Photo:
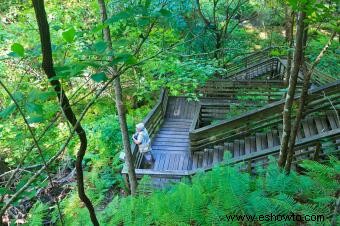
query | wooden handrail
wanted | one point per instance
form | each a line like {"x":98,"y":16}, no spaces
{"x":249,"y":60}
{"x":213,"y":134}
{"x":303,"y":143}
{"x":152,"y":121}
{"x":195,"y":120}
{"x":271,"y":63}
{"x":320,"y":78}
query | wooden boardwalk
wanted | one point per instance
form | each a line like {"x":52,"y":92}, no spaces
{"x":170,"y":147}
{"x":184,"y":140}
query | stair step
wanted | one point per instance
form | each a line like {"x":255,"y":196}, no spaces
{"x":163,"y":129}
{"x":173,"y":132}
{"x":169,"y":148}
{"x":165,"y":143}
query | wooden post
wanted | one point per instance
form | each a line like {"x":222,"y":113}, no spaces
{"x":249,"y":166}
{"x":317,"y":151}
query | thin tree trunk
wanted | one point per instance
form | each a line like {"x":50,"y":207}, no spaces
{"x":47,"y":65}
{"x":120,"y":107}
{"x":303,"y":98}
{"x":290,"y":39}
{"x":291,"y":91}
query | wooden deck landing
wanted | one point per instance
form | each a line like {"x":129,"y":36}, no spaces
{"x":170,"y":147}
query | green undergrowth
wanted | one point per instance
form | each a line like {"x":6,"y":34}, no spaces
{"x":224,"y":191}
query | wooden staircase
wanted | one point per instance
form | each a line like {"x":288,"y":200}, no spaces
{"x":251,"y":145}
{"x":184,"y":141}
{"x":170,"y":147}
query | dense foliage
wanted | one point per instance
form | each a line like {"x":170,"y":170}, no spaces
{"x":223,"y":192}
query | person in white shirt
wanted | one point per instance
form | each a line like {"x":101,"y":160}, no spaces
{"x":142,"y":139}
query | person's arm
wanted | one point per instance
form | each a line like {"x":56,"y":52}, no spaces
{"x":138,"y":140}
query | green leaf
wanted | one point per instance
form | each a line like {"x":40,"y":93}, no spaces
{"x":100,"y":46}
{"x":35,"y":119}
{"x":69,"y":34}
{"x":33,"y":108}
{"x":165,"y":12}
{"x":18,"y":49}
{"x":7,"y":111}
{"x":119,"y":16}
{"x":99,"y":77}
{"x":125,"y":58}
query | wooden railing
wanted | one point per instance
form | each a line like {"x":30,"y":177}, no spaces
{"x":222,"y":98}
{"x":264,"y":117}
{"x":274,"y":68}
{"x":152,"y":122}
{"x":253,"y":90}
{"x":305,"y":148}
{"x":249,"y":60}
{"x":319,"y":78}
{"x":255,"y":159}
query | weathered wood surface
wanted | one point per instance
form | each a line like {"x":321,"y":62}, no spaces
{"x":272,"y":68}
{"x":248,"y":61}
{"x":152,"y":122}
{"x":175,"y":122}
{"x":270,"y":114}
{"x":319,"y":78}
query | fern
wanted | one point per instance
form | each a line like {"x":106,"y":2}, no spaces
{"x":37,"y":214}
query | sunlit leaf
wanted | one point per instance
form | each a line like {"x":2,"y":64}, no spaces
{"x":69,"y":35}
{"x":18,"y":49}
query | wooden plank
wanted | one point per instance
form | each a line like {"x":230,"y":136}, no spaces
{"x":247,"y":145}
{"x":280,"y":131}
{"x":157,"y":160}
{"x":270,"y":139}
{"x":276,"y":138}
{"x":180,"y":162}
{"x":171,"y":161}
{"x":319,"y":125}
{"x":172,"y":129}
{"x":236,"y":152}
{"x":176,"y":136}
{"x":200,"y":160}
{"x":166,"y":161}
{"x":258,"y":142}
{"x":173,"y":144}
{"x":305,"y":128}
{"x":205,"y":158}
{"x":160,"y":166}
{"x":312,"y":126}
{"x":215,"y":156}
{"x":252,"y":144}
{"x":186,"y":162}
{"x":242,"y":147}
{"x":331,"y":120}
{"x":169,"y":148}
{"x":170,"y":140}
{"x":211,"y":153}
{"x":166,"y":132}
{"x":194,"y":161}
{"x":264,"y":142}
{"x":324,"y":123}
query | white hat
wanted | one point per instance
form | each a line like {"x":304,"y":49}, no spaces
{"x":140,"y":126}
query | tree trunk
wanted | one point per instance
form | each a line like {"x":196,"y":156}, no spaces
{"x":291,"y":90}
{"x":302,"y":103}
{"x":290,"y":40}
{"x":120,"y":107}
{"x":47,"y":65}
